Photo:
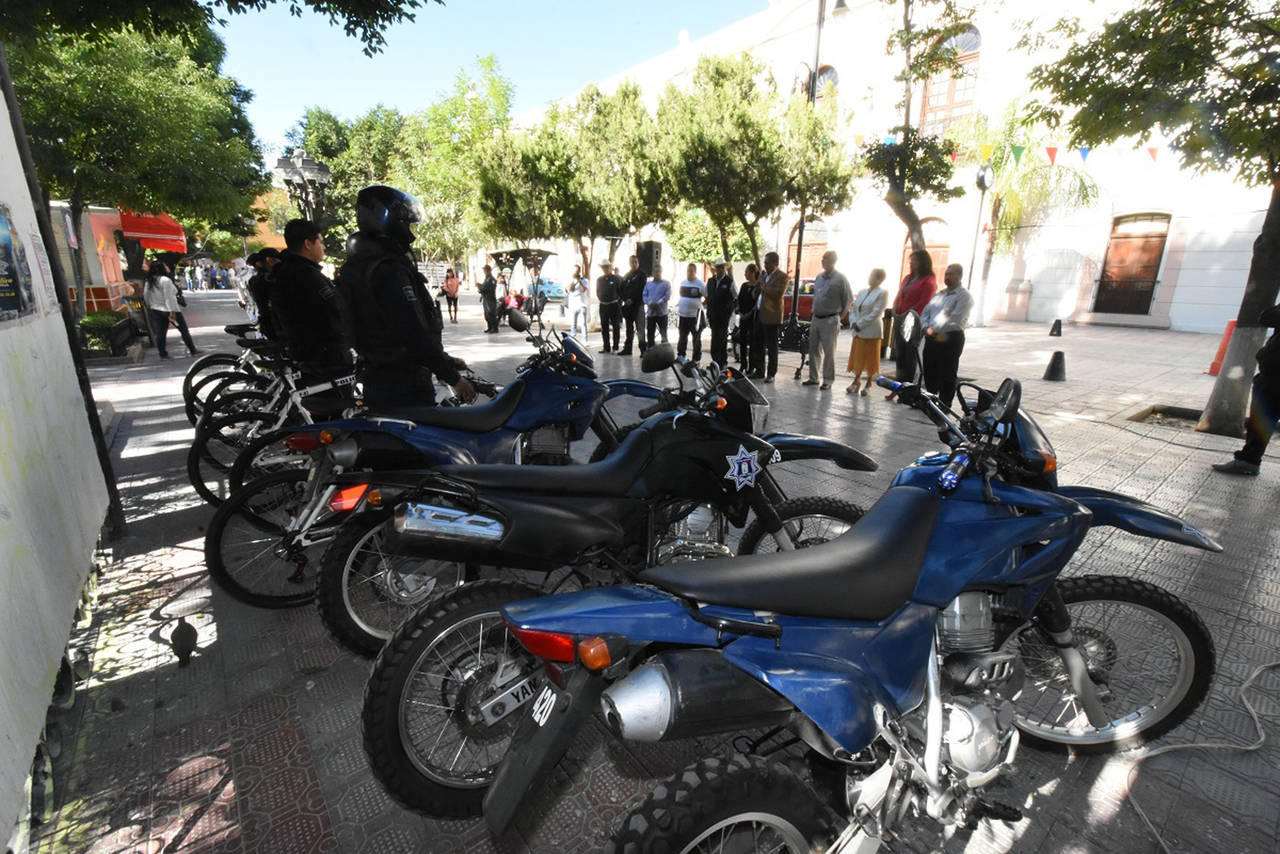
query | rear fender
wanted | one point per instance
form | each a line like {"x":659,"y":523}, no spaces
{"x":794,"y":446}
{"x":631,"y":388}
{"x":640,"y":614}
{"x":1137,"y":517}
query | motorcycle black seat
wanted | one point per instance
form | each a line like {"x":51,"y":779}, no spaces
{"x":471,"y":419}
{"x":865,"y":574}
{"x":239,"y":329}
{"x":609,"y":477}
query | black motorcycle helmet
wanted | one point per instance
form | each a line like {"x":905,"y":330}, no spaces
{"x":383,"y":211}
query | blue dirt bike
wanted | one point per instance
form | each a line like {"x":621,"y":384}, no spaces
{"x":910,"y":655}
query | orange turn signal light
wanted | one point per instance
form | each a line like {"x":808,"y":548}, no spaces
{"x":374,"y":498}
{"x":326,"y":438}
{"x":594,"y":654}
{"x":720,"y":403}
{"x":1050,"y":461}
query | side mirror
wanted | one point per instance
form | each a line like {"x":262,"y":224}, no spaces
{"x":659,"y":357}
{"x":518,"y":320}
{"x":911,"y":330}
{"x":1004,"y":408}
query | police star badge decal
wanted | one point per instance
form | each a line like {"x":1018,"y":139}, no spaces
{"x":743,"y":467}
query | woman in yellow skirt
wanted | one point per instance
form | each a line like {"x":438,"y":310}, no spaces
{"x":865,"y":318}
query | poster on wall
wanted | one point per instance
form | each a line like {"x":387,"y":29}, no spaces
{"x":16,"y":295}
{"x":46,"y":275}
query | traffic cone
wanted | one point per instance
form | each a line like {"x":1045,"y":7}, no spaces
{"x":1057,"y":370}
{"x":1056,"y":331}
{"x":1216,"y":364}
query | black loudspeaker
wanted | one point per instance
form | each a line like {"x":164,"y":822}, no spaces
{"x":649,"y":253}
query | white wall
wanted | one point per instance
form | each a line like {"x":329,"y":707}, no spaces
{"x":52,"y":499}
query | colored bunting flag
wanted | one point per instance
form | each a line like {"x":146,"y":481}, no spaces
{"x":1052,"y":151}
{"x":1084,"y":153}
{"x":857,"y":139}
{"x":1153,"y":151}
{"x":985,"y":151}
{"x":954,"y":156}
{"x":890,"y":140}
{"x":1017,"y":153}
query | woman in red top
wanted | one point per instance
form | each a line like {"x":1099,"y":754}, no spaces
{"x":917,"y":288}
{"x":451,"y":294}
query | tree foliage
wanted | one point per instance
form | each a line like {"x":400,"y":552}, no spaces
{"x":140,"y":122}
{"x":911,"y":167}
{"x":819,"y":171}
{"x":1203,"y":73}
{"x":694,"y":237}
{"x":223,"y":246}
{"x":1025,"y":188}
{"x":362,"y":19}
{"x":924,"y":42}
{"x":722,"y":144}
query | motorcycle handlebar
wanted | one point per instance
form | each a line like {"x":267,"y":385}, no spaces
{"x":955,"y":470}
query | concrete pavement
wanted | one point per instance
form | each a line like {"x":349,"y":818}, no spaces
{"x":256,"y":746}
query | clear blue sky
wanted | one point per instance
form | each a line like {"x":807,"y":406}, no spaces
{"x":547,"y":50}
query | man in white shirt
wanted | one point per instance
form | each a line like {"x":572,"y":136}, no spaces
{"x":944,"y":320}
{"x":832,"y":297}
{"x":692,"y":293}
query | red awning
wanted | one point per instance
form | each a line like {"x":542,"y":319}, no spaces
{"x":154,"y":231}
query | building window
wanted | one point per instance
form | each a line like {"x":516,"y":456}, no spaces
{"x":1129,"y":269}
{"x":950,"y":94}
{"x":828,"y":82}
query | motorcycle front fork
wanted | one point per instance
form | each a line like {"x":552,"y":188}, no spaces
{"x":1055,"y":619}
{"x":768,"y":496}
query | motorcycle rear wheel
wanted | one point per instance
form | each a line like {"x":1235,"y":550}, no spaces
{"x":1131,"y":634}
{"x":718,"y":805}
{"x":364,"y":592}
{"x":410,"y":708}
{"x":811,"y":521}
{"x":244,"y":548}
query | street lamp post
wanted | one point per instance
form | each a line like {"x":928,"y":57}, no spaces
{"x":306,"y":180}
{"x":986,"y":176}
{"x":811,"y":93}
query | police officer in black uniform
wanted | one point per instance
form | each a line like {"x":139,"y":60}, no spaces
{"x":397,"y":324}
{"x":259,"y":286}
{"x":631,"y":300}
{"x":722,"y":298}
{"x":306,"y":309}
{"x":608,"y":295}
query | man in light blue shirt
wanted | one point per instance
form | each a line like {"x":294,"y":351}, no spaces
{"x":944,"y":320}
{"x":657,"y":293}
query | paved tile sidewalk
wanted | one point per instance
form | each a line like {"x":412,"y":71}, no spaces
{"x":256,"y":746}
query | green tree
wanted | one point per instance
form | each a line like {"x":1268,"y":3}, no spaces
{"x":224,"y":246}
{"x":439,"y":150}
{"x":138,"y":122}
{"x":363,"y":19}
{"x":918,"y":165}
{"x":820,"y":173}
{"x":512,"y":204}
{"x":694,"y":237}
{"x":722,"y":147}
{"x":1202,"y":72}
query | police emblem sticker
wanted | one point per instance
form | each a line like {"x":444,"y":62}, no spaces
{"x":743,"y":467}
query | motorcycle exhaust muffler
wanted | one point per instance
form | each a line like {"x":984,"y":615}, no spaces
{"x":415,"y":519}
{"x":690,"y":692}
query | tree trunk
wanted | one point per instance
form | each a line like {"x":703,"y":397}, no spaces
{"x":900,"y":206}
{"x":751,"y":238}
{"x":135,"y":258}
{"x":584,"y":252}
{"x":76,"y":206}
{"x":906,"y":66}
{"x":724,"y":245}
{"x":1225,"y":412}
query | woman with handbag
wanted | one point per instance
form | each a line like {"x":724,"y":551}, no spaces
{"x":165,"y":303}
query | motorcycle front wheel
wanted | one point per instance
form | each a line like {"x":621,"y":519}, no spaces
{"x":365,"y":591}
{"x":444,"y":699}
{"x":739,"y":804}
{"x":1150,"y":655}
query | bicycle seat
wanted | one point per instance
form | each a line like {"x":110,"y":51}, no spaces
{"x":471,"y":419}
{"x":865,"y":574}
{"x":240,"y":329}
{"x":612,"y":476}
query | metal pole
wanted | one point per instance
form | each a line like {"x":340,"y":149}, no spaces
{"x":973,"y":255}
{"x":813,"y":97}
{"x":115,"y":510}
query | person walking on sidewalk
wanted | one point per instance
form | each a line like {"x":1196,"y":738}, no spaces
{"x":944,"y":320}
{"x":489,"y":300}
{"x":832,"y":297}
{"x":868,"y":329}
{"x":160,"y":293}
{"x":1264,"y":403}
{"x":576,"y":302}
{"x":764,"y":349}
{"x":631,"y":299}
{"x":917,"y":288}
{"x":721,"y":301}
{"x":451,"y":294}
{"x":657,"y":293}
{"x":693,"y":292}
{"x":608,"y":288}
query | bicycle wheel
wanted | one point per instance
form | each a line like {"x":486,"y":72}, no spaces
{"x":250,"y":551}
{"x":204,"y":387}
{"x":207,"y":364}
{"x":266,"y":455}
{"x":216,"y":448}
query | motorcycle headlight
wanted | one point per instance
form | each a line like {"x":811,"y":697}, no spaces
{"x":759,"y":417}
